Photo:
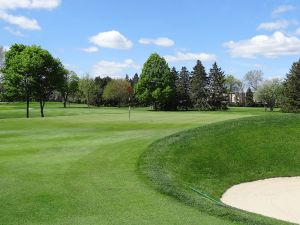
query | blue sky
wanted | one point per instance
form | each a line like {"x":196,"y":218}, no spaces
{"x":116,"y":37}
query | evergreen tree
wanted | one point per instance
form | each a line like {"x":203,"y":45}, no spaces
{"x":249,"y":98}
{"x":135,"y":80}
{"x":199,"y":87}
{"x":175,"y":76}
{"x":155,"y":84}
{"x":183,"y":86}
{"x":292,"y":89}
{"x":218,"y":96}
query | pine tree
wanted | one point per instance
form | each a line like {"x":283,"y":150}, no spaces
{"x":199,"y":87}
{"x":135,"y":80}
{"x":292,"y":89}
{"x":249,"y":98}
{"x":218,"y":96}
{"x":175,"y":77}
{"x":183,"y":86}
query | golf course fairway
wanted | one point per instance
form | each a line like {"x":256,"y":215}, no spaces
{"x":87,"y":166}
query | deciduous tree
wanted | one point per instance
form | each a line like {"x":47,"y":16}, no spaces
{"x":155,"y":84}
{"x":70,"y":86}
{"x":117,"y":91}
{"x":17,"y":80}
{"x":270,"y":93}
{"x":87,"y":89}
{"x":254,"y":78}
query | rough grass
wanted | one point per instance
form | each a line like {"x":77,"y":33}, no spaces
{"x":79,"y":166}
{"x":215,"y":157}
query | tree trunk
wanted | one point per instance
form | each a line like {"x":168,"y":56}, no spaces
{"x":65,"y":100}
{"x":42,"y":104}
{"x":27,"y":105}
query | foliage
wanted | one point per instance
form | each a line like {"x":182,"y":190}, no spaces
{"x":70,"y":86}
{"x":218,"y":96}
{"x":253,"y":78}
{"x":270,"y":93}
{"x":16,"y":81}
{"x":199,"y":87}
{"x":183,"y":88}
{"x":30,"y":71}
{"x":117,"y":91}
{"x":134,"y":80}
{"x":2,"y":54}
{"x":156,"y":84}
{"x":292,"y":89}
{"x":100,"y":84}
{"x":48,"y":73}
{"x":232,"y":84}
{"x":87,"y":88}
{"x":249,"y":98}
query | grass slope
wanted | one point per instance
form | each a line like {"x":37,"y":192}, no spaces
{"x":79,"y":166}
{"x":215,"y":157}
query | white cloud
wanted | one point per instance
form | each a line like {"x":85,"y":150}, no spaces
{"x":22,"y":21}
{"x":111,"y":39}
{"x":283,"y":9}
{"x":162,"y":41}
{"x":279,"y":24}
{"x":277,"y":44}
{"x":29,"y":4}
{"x":189,"y":56}
{"x":298,"y":31}
{"x":14,"y":32}
{"x":112,"y":68}
{"x":90,"y":49}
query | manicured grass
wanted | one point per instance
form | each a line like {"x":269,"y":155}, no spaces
{"x":80,"y":166}
{"x":213,"y":158}
{"x":18,"y":110}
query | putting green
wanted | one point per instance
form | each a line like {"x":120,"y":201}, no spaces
{"x":80,"y":166}
{"x":212,"y":158}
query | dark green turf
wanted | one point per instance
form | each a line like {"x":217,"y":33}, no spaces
{"x":214,"y":157}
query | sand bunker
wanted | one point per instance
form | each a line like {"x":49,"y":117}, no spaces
{"x":276,"y":197}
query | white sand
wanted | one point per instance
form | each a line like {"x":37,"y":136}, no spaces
{"x":277,"y":197}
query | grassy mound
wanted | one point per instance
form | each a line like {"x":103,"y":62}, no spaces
{"x":212,"y":158}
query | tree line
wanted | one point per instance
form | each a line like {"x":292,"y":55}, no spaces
{"x":30,"y":73}
{"x":169,"y":89}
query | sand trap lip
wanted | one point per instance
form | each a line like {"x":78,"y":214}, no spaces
{"x":275,"y":197}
